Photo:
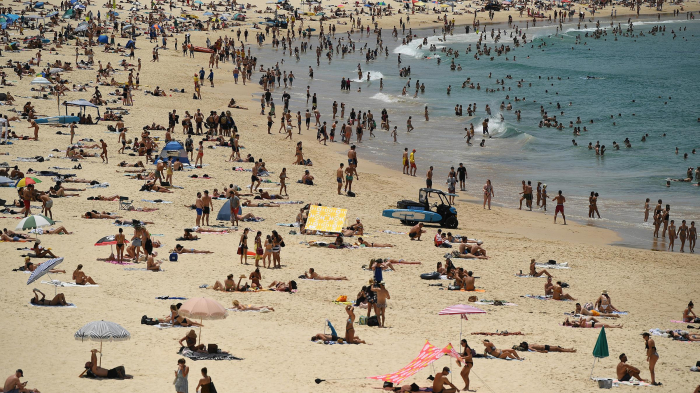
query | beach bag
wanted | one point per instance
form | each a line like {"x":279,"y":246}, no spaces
{"x":373,"y":321}
{"x":240,"y":250}
{"x":388,"y":384}
{"x":212,"y":348}
{"x":430,"y":276}
{"x":363,"y":320}
{"x":173,"y":257}
{"x":351,"y":194}
{"x":341,"y":298}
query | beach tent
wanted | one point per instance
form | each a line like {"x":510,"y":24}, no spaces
{"x":427,"y":356}
{"x":326,"y":219}
{"x":225,"y":212}
{"x":171,"y":151}
{"x":103,"y":39}
{"x":82,"y":104}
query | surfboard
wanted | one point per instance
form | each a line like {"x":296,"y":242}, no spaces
{"x":412,"y":215}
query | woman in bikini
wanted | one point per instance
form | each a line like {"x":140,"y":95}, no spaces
{"x":243,"y":246}
{"x":652,"y":356}
{"x":589,"y":322}
{"x":121,"y":240}
{"x":191,"y":342}
{"x":466,"y":358}
{"x":267,"y":256}
{"x":545,"y":348}
{"x":255,"y":278}
{"x":241,"y":307}
{"x":488,"y":193}
{"x":688,"y":312}
{"x":258,"y":248}
{"x":58,"y":300}
{"x":228,"y":286}
{"x":96,"y":215}
{"x":81,"y":278}
{"x":283,"y":178}
{"x":350,"y":336}
{"x":276,"y":248}
{"x":249,"y":203}
{"x":499,"y":353}
{"x":361,"y":242}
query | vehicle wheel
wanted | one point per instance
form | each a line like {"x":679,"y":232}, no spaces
{"x":451,"y":222}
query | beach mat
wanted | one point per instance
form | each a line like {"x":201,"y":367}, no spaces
{"x":206,"y":356}
{"x":69,"y":305}
{"x":68,"y":284}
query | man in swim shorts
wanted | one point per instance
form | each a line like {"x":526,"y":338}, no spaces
{"x":416,"y":232}
{"x":441,"y":380}
{"x":625,"y":372}
{"x":199,"y":205}
{"x":560,"y":207}
{"x":339,"y":177}
{"x":13,"y":385}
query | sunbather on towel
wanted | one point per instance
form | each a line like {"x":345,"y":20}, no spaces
{"x":40,"y":251}
{"x":98,"y":215}
{"x":385,"y":264}
{"x":589,"y":322}
{"x":94,"y":371}
{"x":683,"y":336}
{"x":281,"y":286}
{"x":191,"y":342}
{"x":593,"y":313}
{"x":534,"y":272}
{"x":58,"y":300}
{"x":544,"y":348}
{"x":152,"y":265}
{"x":490,"y":349}
{"x":361,"y":242}
{"x":177,"y":320}
{"x":13,"y":234}
{"x":181,"y":250}
{"x":312,"y":275}
{"x":81,"y":278}
{"x":54,"y":231}
{"x":210,"y":230}
{"x":467,"y":250}
{"x":266,"y":195}
{"x":249,"y":203}
{"x":558,"y":293}
{"x":6,"y":238}
{"x":242,"y":307}
{"x":188,"y":235}
{"x":104,"y":198}
{"x":625,"y":372}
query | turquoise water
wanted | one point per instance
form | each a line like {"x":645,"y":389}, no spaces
{"x":646,"y":81}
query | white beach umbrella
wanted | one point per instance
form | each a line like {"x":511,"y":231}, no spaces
{"x":44,"y":269}
{"x":40,"y":81}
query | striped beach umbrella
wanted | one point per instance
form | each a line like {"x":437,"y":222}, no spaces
{"x":26,"y":181}
{"x":102,"y":331}
{"x":44,"y":269}
{"x":462,"y":310}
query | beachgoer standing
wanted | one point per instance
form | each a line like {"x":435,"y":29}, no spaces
{"x":560,"y":207}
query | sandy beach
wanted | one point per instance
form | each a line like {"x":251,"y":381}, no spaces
{"x":274,"y":347}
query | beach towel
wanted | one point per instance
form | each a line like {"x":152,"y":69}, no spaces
{"x":456,"y":254}
{"x":529,"y":276}
{"x":462,"y":290}
{"x":114,"y":261}
{"x":101,"y":185}
{"x":290,"y":202}
{"x":393,"y":232}
{"x":490,"y":303}
{"x":538,"y":297}
{"x":69,"y":305}
{"x":34,"y":256}
{"x":182,"y":239}
{"x":68,"y":284}
{"x":254,"y":219}
{"x":140,"y":269}
{"x":492,"y":357}
{"x":184,"y":351}
{"x":162,"y":326}
{"x":155,"y":201}
{"x":616,"y":382}
{"x":296,"y":224}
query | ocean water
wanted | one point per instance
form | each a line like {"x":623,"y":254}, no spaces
{"x":646,"y":81}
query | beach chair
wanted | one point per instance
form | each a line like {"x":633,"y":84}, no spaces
{"x":124,"y":203}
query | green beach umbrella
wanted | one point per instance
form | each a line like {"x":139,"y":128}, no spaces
{"x":34,"y":221}
{"x":601,"y":348}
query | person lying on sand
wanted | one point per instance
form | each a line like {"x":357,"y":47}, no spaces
{"x":490,"y":349}
{"x":232,"y":104}
{"x":95,"y":371}
{"x":104,"y":198}
{"x":558,"y":293}
{"x":176,"y":320}
{"x":13,"y":234}
{"x":40,"y":251}
{"x":181,"y":250}
{"x":470,"y":251}
{"x":625,"y":372}
{"x":361,"y":242}
{"x":385,"y":265}
{"x":211,"y":230}
{"x":535,"y":273}
{"x":266,"y":195}
{"x":238,"y":306}
{"x":312,"y":275}
{"x":188,"y":235}
{"x":249,"y":203}
{"x":544,"y":348}
{"x":138,"y":164}
{"x":55,"y":231}
{"x":593,"y":313}
{"x":152,"y":186}
{"x":281,"y":286}
{"x":683,"y":336}
{"x":30,"y":266}
{"x":81,"y":278}
{"x":497,"y":334}
{"x":58,"y":300}
{"x":96,"y":215}
{"x":589,"y":322}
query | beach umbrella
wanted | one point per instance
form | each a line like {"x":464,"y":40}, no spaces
{"x":601,"y":348}
{"x":40,"y":81}
{"x":109,"y":241}
{"x":27,"y":181}
{"x":33,"y":222}
{"x":202,"y":308}
{"x":44,"y":269}
{"x":5,"y":180}
{"x":462,"y":310}
{"x":102,"y":331}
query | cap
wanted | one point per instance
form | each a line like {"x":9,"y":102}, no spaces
{"x":21,"y":373}
{"x":414,"y":150}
